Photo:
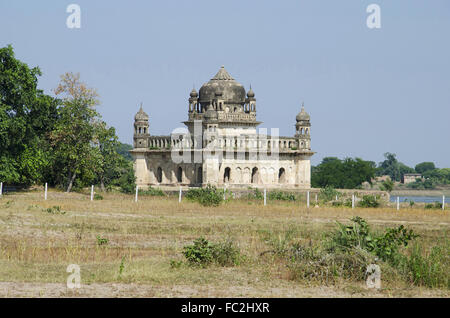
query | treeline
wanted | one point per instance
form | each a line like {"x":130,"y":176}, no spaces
{"x":60,"y":140}
{"x":352,"y":173}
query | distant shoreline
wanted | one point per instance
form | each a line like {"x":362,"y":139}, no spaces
{"x":423,"y":193}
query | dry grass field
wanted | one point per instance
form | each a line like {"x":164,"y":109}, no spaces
{"x":38,"y":242}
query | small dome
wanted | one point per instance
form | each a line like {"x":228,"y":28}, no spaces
{"x":303,"y":115}
{"x":251,"y":93}
{"x":223,"y":85}
{"x":193,"y":93}
{"x":141,"y":115}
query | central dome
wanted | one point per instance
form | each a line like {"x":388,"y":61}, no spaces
{"x":222,"y":86}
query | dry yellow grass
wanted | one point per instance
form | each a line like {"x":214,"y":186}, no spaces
{"x":36,"y":246}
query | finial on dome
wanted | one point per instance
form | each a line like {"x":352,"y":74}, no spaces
{"x":250,"y":92}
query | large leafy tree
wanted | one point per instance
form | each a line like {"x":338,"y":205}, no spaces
{"x":343,"y":174}
{"x":393,"y":168}
{"x":424,"y":167}
{"x":27,"y":116}
{"x":74,"y":130}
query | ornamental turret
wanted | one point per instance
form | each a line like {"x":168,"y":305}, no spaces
{"x":303,"y":129}
{"x":141,"y":132}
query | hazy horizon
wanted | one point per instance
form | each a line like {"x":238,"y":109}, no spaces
{"x":368,"y":91}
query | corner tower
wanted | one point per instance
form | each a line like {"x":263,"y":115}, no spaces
{"x":303,"y":129}
{"x":141,"y":133}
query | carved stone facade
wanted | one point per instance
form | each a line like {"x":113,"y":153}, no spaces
{"x":221,"y":145}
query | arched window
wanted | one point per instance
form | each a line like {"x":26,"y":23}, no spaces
{"x":145,"y":129}
{"x":255,"y":175}
{"x":226,"y":175}
{"x":281,"y":175}
{"x":179,"y":175}
{"x":199,"y":175}
{"x":140,"y":129}
{"x":159,"y":175}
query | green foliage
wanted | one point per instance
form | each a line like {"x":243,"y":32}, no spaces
{"x":154,"y":192}
{"x":391,"y":167}
{"x":385,"y":246}
{"x":256,"y":194}
{"x":342,"y":174}
{"x":98,"y":196}
{"x":424,"y":167}
{"x":56,"y":209}
{"x":387,"y":185}
{"x":209,"y":196}
{"x":122,"y":266}
{"x":27,"y":116}
{"x":101,"y":240}
{"x":435,"y":205}
{"x":328,"y":194}
{"x":281,"y":196}
{"x":420,"y":184}
{"x":438,"y":176}
{"x":370,"y":201}
{"x":124,"y":150}
{"x":203,"y":253}
{"x":428,"y":269}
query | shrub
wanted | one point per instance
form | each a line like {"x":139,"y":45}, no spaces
{"x":369,"y":201}
{"x":152,"y":192}
{"x":98,"y":196}
{"x":430,"y":269}
{"x":256,"y":194}
{"x":101,"y":240}
{"x":435,"y":205}
{"x":56,"y":209}
{"x":281,"y":196}
{"x":202,"y":253}
{"x":328,"y":194}
{"x":209,"y":196}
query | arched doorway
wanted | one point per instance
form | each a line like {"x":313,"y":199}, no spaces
{"x":281,"y":176}
{"x":255,"y":175}
{"x":226,"y":175}
{"x":179,"y":175}
{"x":200,"y":175}
{"x":159,"y":175}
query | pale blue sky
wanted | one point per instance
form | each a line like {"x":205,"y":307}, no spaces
{"x":368,"y":91}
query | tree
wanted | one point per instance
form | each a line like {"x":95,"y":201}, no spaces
{"x":391,"y":167}
{"x":342,"y":174}
{"x":424,"y":167}
{"x":387,"y":185}
{"x":75,"y":128}
{"x":27,"y":116}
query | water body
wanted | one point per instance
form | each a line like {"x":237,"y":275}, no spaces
{"x":424,"y":199}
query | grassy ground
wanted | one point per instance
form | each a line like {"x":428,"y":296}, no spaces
{"x":39,"y":241}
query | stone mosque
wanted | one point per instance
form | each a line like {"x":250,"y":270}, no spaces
{"x":221,"y":145}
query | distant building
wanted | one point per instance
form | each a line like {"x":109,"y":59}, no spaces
{"x":227,"y":149}
{"x":411,"y":177}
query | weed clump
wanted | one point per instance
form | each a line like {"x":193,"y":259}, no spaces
{"x":154,"y":192}
{"x":209,"y":196}
{"x":203,"y":253}
{"x":369,"y":201}
{"x":56,"y":209}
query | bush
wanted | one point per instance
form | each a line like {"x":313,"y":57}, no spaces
{"x":369,"y":201}
{"x":209,"y":196}
{"x":202,"y":253}
{"x":435,"y":205}
{"x":98,"y":196}
{"x":328,"y":194}
{"x":256,"y":194}
{"x":430,"y":269}
{"x":282,"y":196}
{"x":152,"y":192}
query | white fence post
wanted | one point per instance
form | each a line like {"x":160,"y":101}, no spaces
{"x":316,"y":198}
{"x":307,"y":199}
{"x":1,"y":189}
{"x":398,"y":203}
{"x":353,"y":201}
{"x":92,"y":192}
{"x":45,"y":192}
{"x":179,"y":196}
{"x":443,"y":202}
{"x":264,"y":196}
{"x":136,"y":196}
{"x":224,"y":190}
